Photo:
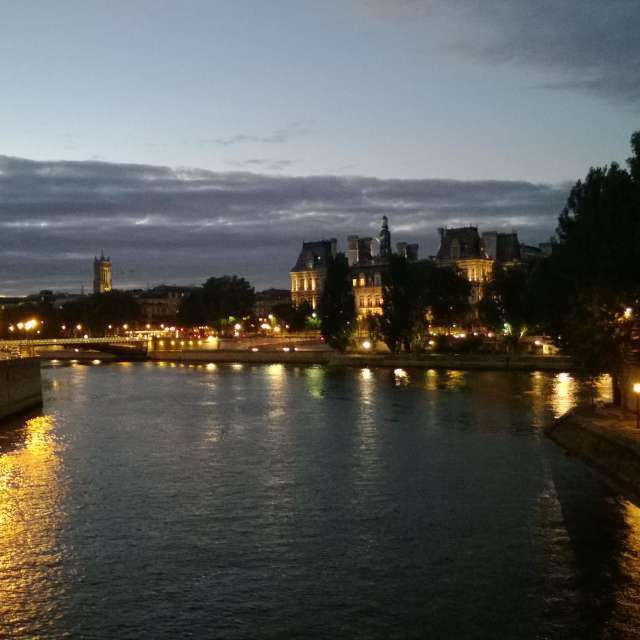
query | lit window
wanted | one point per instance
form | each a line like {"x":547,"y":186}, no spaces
{"x":362,"y":281}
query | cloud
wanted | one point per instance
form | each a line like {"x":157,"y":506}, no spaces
{"x":183,"y":225}
{"x":279,"y":136}
{"x":262,"y":163}
{"x":583,"y":45}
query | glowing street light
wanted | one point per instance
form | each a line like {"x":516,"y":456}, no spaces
{"x":636,"y":390}
{"x":366,"y":345}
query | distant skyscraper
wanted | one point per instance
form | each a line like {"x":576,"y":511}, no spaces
{"x":101,"y":274}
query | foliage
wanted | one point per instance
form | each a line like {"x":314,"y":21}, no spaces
{"x":217,"y":300}
{"x":337,"y":305}
{"x":372,"y":324}
{"x":596,"y":267}
{"x":507,"y":304}
{"x":96,"y":312}
{"x":416,"y":293}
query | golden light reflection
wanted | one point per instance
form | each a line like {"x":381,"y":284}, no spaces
{"x":401,"y":376}
{"x":431,"y":380}
{"x":30,"y":514}
{"x":626,"y":612}
{"x":563,"y":394}
{"x":455,"y":380}
{"x":365,"y":374}
{"x":315,"y":381}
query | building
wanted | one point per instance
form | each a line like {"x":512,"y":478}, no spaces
{"x":475,"y":255}
{"x":368,"y":260}
{"x":310,"y":271}
{"x":266,"y":300}
{"x":162,"y":303}
{"x":463,"y":249}
{"x":101,"y":274}
{"x":501,"y":247}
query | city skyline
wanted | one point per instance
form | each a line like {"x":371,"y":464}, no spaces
{"x":214,"y":139}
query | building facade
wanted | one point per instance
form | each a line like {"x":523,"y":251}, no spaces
{"x":101,"y":274}
{"x":267,"y":300}
{"x":368,"y":260}
{"x":310,"y":271}
{"x":162,"y":303}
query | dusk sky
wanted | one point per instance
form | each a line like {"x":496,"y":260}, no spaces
{"x":200,"y":138}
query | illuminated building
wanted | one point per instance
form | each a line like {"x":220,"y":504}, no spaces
{"x":368,"y":260}
{"x":101,"y":274}
{"x":310,"y":271}
{"x":474,"y":256}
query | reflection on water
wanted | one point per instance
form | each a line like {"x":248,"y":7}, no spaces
{"x":30,"y":517}
{"x":277,"y":501}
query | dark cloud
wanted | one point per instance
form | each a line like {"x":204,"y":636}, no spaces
{"x":182,"y":225}
{"x":585,"y":45}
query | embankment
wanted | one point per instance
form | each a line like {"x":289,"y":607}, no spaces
{"x":332,"y":358}
{"x":20,"y":385}
{"x":607,"y":440}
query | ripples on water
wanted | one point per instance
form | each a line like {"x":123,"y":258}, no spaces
{"x":165,"y":501}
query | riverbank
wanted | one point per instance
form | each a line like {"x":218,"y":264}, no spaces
{"x":333,"y":358}
{"x":608,"y":440}
{"x":20,"y":385}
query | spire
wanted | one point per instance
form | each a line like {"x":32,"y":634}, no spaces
{"x":385,"y":239}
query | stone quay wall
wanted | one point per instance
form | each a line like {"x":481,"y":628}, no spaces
{"x":20,"y":385}
{"x":607,"y":440}
{"x":333,"y":358}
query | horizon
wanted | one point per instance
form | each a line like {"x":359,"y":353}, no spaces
{"x":211,"y":139}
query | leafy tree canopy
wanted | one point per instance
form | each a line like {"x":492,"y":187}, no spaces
{"x":218,"y":299}
{"x":337,"y":305}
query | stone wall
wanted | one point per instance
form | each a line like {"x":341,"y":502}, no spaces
{"x":20,"y":385}
{"x":607,"y":441}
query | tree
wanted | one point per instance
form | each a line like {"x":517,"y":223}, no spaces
{"x":399,"y":305}
{"x":296,"y":317}
{"x":96,"y":312}
{"x":507,"y":304}
{"x":413,"y":290}
{"x":597,"y":263}
{"x":218,"y":300}
{"x":337,"y":306}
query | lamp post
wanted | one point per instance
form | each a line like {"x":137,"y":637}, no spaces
{"x":636,"y":390}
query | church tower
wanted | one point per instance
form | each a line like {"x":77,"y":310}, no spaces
{"x":385,"y":240}
{"x":101,"y":274}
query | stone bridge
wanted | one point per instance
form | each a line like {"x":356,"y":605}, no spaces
{"x":116,"y":345}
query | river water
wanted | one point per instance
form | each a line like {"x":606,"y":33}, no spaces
{"x":159,"y":501}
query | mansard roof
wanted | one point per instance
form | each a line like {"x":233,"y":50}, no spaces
{"x":314,"y":255}
{"x":468,"y":242}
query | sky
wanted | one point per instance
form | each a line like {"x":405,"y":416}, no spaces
{"x":207,"y":137}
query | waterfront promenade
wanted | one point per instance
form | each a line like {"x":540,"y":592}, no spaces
{"x":488,"y":362}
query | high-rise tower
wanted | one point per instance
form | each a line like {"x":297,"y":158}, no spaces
{"x":101,"y":274}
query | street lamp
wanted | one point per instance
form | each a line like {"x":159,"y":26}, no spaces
{"x":636,"y":390}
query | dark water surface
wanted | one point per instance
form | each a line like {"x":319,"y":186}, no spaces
{"x":155,"y":501}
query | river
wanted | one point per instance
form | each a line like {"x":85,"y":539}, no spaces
{"x":154,"y":500}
